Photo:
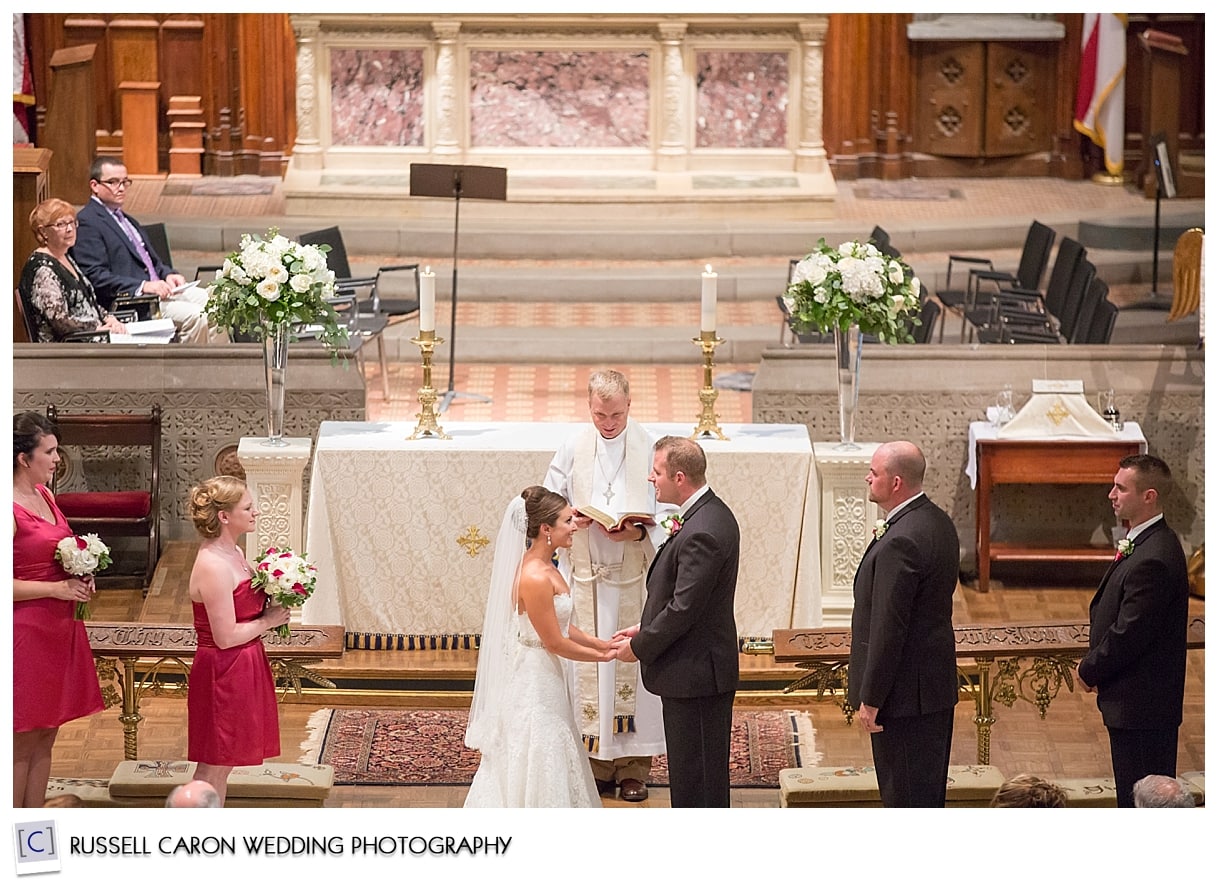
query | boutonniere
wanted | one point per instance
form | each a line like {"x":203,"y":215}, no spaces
{"x":672,"y":524}
{"x":880,"y":528}
{"x":1124,"y":549}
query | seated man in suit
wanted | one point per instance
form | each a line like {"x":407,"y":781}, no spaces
{"x":113,"y":252}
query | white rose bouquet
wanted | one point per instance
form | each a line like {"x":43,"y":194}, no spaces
{"x":854,"y":284}
{"x":82,"y":556}
{"x":287,"y":578}
{"x":273,"y":280}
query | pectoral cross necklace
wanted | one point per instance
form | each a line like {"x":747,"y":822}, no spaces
{"x":609,"y":494}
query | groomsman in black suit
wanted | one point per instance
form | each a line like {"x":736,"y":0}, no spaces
{"x":686,"y":642}
{"x":1139,"y":631}
{"x":902,"y":649}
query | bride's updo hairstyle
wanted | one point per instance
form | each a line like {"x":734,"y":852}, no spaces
{"x":542,"y":506}
{"x":209,"y":498}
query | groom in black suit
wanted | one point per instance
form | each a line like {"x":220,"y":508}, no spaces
{"x":687,"y":642}
{"x":1139,"y":631}
{"x":902,"y":649}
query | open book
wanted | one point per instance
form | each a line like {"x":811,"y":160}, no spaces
{"x":151,"y":331}
{"x":612,"y":520}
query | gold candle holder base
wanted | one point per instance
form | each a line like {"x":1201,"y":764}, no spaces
{"x":427,"y":427}
{"x":708,"y":422}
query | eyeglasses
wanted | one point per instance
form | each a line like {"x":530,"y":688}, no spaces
{"x":117,"y":183}
{"x":63,"y":226}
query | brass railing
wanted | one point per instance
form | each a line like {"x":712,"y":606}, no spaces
{"x":995,"y":663}
{"x":135,"y":659}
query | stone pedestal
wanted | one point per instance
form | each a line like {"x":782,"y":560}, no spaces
{"x":274,"y":476}
{"x":846,"y":519}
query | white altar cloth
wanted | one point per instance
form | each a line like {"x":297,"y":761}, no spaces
{"x":385,"y":515}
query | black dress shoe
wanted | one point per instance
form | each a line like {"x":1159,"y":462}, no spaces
{"x":633,"y":790}
{"x":603,"y":787}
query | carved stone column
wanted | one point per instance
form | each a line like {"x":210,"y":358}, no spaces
{"x":847,"y":517}
{"x":274,"y":476}
{"x":447,"y":140}
{"x":306,"y":153}
{"x":810,"y":155}
{"x":673,"y":153}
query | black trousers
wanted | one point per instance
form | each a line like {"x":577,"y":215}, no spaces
{"x":911,"y":757}
{"x":1137,"y":753}
{"x":698,"y":736}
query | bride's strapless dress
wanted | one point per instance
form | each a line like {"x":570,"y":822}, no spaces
{"x":540,"y":761}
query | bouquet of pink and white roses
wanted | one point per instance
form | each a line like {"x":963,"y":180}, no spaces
{"x":82,"y":556}
{"x":287,"y":578}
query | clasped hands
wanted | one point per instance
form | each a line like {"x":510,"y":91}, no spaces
{"x":619,"y":645}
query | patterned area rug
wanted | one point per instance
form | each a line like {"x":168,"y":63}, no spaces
{"x":400,"y":747}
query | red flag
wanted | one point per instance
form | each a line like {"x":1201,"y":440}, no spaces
{"x":1099,"y":112}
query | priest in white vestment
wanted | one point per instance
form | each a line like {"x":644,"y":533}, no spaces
{"x":606,"y":465}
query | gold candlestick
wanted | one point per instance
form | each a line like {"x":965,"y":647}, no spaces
{"x":427,"y":425}
{"x":708,"y":423}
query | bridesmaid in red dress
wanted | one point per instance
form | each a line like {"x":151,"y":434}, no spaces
{"x":54,"y":679}
{"x":231,"y":707}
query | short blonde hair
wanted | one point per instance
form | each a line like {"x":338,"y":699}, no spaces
{"x":607,"y":383}
{"x":48,"y":212}
{"x":209,"y":498}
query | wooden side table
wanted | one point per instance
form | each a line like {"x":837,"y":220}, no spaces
{"x":1037,"y":461}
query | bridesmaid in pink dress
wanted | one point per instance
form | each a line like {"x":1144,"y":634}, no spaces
{"x":54,"y":679}
{"x":231,"y":706}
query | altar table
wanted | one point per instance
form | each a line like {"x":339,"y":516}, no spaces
{"x":402,"y":532}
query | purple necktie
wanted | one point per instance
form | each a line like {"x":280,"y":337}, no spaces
{"x":138,"y":242}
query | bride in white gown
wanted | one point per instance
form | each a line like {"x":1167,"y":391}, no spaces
{"x":523,"y":714}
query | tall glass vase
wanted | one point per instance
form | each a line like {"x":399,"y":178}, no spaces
{"x":275,"y":361}
{"x":849,"y":347}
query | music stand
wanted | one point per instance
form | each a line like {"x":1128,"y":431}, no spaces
{"x":457,"y":182}
{"x":1165,"y":185}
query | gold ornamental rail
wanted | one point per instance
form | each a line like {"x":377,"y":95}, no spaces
{"x":135,"y":659}
{"x":995,"y":663}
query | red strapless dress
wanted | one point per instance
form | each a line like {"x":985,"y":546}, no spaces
{"x":54,"y":679}
{"x":231,"y":707}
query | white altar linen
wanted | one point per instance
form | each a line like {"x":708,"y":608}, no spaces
{"x":983,"y":431}
{"x":387,"y":518}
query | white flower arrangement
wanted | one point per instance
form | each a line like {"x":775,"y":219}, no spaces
{"x":287,"y":578}
{"x":854,"y":284}
{"x":273,"y":280}
{"x":1124,"y":549}
{"x":82,"y":556}
{"x":880,"y":528}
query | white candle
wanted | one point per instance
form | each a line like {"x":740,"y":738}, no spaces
{"x":427,"y":300}
{"x":710,"y":291}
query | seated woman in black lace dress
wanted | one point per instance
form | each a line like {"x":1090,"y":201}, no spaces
{"x":57,"y":296}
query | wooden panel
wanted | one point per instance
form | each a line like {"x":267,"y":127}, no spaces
{"x":31,"y":169}
{"x":1049,"y":462}
{"x":139,"y":127}
{"x":70,"y":129}
{"x":1017,"y":103}
{"x":950,"y":105}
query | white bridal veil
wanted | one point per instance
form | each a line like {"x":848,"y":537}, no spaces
{"x":497,"y":652}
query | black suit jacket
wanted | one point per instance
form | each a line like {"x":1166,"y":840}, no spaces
{"x":1139,"y":635}
{"x":902,"y":649}
{"x":108,"y":257}
{"x":687,"y":645}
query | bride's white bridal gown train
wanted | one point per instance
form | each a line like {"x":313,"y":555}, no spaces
{"x":537,"y":758}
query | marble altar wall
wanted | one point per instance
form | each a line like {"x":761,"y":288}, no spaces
{"x":376,"y":97}
{"x":592,"y":91}
{"x":524,"y":98}
{"x":742,"y":99}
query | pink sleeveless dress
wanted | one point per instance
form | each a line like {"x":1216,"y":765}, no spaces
{"x":233,"y":718}
{"x":54,"y":679}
